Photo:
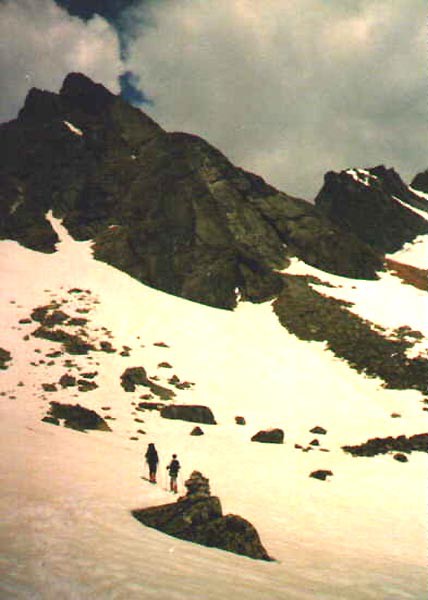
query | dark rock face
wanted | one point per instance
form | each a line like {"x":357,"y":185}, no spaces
{"x":191,"y":412}
{"x":198,"y":518}
{"x":269,"y":436}
{"x":374,"y":446}
{"x":167,"y":208}
{"x":364,"y":202}
{"x":78,"y":417}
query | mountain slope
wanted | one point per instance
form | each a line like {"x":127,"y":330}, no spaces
{"x":67,"y":495}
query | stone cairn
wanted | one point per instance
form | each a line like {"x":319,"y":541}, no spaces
{"x":198,"y":487}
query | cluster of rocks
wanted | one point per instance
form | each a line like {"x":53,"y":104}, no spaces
{"x":84,"y":383}
{"x":314,"y":316}
{"x":402,"y":443}
{"x":198,"y":517}
{"x":137,"y":376}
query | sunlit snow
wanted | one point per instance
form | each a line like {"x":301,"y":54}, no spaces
{"x":413,"y":253}
{"x":361,"y":176}
{"x":66,"y":496}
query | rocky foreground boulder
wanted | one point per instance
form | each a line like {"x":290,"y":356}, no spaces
{"x":197,"y":517}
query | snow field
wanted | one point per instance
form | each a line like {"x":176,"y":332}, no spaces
{"x":67,"y":495}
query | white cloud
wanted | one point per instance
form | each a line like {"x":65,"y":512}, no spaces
{"x":291,"y":88}
{"x":40,"y":43}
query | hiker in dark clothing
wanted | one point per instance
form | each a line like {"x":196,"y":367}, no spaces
{"x":152,"y":460}
{"x":173,"y":468}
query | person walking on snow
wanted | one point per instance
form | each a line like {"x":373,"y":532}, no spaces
{"x":173,"y":468}
{"x":152,"y":460}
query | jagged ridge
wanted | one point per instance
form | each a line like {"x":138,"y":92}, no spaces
{"x":167,"y":208}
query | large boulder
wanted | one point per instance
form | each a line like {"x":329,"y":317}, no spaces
{"x":197,"y":517}
{"x":190,"y":412}
{"x":269,"y":436}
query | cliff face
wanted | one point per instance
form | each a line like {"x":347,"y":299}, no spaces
{"x":168,"y":208}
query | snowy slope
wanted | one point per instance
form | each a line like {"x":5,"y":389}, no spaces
{"x":66,"y":495}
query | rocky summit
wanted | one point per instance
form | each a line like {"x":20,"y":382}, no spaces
{"x":173,"y":212}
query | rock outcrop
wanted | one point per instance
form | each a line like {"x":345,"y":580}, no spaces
{"x":197,"y":517}
{"x":167,"y":208}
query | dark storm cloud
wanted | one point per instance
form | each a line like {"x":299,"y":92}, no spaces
{"x":86,"y":9}
{"x":112,"y":11}
{"x":129,"y":88}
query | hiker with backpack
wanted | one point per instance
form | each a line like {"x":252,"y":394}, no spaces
{"x":173,"y":468}
{"x":152,"y":460}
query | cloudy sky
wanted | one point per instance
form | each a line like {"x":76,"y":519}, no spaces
{"x":286,"y":88}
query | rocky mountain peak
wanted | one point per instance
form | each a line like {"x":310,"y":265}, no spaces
{"x":81,"y":92}
{"x":420,"y":181}
{"x":40,"y":105}
{"x":172,"y":211}
{"x":372,"y":204}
